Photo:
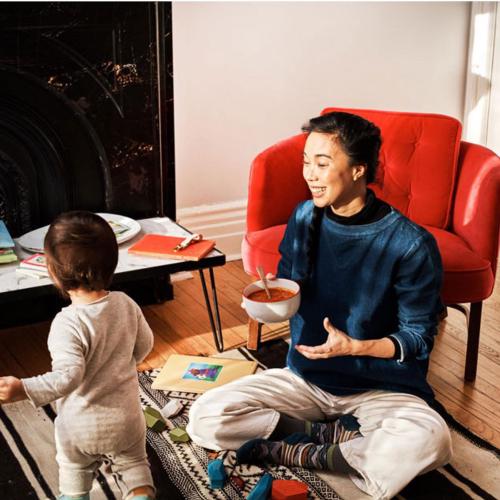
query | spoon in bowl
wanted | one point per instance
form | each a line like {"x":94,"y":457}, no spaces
{"x":262,"y":276}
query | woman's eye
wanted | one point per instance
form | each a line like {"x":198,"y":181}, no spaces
{"x":322,"y":164}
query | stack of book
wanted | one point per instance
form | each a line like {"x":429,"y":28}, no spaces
{"x":34,"y":266}
{"x":6,"y":245}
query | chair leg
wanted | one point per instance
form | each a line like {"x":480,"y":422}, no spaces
{"x":254,"y":331}
{"x":443,"y":315}
{"x":473,"y":330}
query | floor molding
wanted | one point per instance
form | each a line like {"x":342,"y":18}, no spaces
{"x":223,"y":222}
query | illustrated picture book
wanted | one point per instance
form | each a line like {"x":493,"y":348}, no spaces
{"x":163,"y":246}
{"x":35,"y":266}
{"x":199,"y":374}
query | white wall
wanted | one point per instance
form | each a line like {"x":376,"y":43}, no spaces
{"x":493,"y":137}
{"x":247,"y":74}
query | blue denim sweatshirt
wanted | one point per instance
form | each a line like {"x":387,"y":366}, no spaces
{"x":372,"y":281}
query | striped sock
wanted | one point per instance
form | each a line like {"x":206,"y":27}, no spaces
{"x":302,"y":454}
{"x":343,"y":429}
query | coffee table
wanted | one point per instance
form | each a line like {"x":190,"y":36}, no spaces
{"x":17,"y":289}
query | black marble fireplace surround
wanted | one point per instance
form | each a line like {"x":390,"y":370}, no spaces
{"x":86,"y":121}
{"x":86,"y":110}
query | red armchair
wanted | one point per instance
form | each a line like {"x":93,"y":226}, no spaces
{"x":449,"y":186}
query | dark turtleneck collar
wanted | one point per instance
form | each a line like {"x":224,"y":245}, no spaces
{"x":374,"y":210}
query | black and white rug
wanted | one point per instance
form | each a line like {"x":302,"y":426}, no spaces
{"x":28,"y":468}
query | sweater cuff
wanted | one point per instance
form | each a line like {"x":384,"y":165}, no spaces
{"x":34,"y":396}
{"x":398,"y":348}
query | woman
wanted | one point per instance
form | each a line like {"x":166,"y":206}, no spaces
{"x":353,"y":397}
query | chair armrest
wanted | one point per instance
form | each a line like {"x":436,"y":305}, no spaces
{"x":276,"y":184}
{"x":476,"y":212}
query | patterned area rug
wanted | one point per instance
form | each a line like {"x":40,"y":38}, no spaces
{"x":28,"y":469}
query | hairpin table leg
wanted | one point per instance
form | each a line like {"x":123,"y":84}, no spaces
{"x":216,"y":325}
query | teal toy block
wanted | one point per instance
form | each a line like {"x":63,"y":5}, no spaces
{"x":179,"y":435}
{"x":154,"y":420}
{"x":262,"y":489}
{"x":216,"y":474}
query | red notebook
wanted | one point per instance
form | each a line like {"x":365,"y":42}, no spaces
{"x":162,"y":246}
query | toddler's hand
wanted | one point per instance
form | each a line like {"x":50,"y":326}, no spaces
{"x":11,"y":390}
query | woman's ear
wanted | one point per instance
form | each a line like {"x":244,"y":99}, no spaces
{"x":358,"y":171}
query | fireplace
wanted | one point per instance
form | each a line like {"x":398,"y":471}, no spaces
{"x":86,"y":122}
{"x":86,"y":110}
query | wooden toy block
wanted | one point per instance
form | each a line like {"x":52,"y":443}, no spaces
{"x":171,"y":409}
{"x":237,"y":482}
{"x":262,"y":489}
{"x":284,"y":489}
{"x":216,"y":474}
{"x":154,"y":420}
{"x":179,"y":435}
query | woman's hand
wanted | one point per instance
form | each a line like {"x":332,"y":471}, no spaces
{"x":338,"y":343}
{"x":11,"y":390}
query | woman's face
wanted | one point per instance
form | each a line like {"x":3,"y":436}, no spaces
{"x":328,"y":173}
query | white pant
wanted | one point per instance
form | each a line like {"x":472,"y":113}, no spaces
{"x":401,"y":435}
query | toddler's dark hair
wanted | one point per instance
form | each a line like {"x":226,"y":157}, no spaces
{"x":81,"y":251}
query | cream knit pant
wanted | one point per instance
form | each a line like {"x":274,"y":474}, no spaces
{"x":402,"y":436}
{"x":130,"y":467}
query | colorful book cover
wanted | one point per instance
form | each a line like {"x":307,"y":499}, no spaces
{"x":162,"y":246}
{"x":36,"y":263}
{"x":199,"y":374}
{"x":6,"y":240}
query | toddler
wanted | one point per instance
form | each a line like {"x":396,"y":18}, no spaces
{"x":95,"y":344}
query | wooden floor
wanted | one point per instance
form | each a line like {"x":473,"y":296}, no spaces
{"x":181,"y":326}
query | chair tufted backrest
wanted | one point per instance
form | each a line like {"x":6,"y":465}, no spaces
{"x":418,"y":162}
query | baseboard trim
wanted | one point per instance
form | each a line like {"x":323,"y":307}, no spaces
{"x":223,"y":222}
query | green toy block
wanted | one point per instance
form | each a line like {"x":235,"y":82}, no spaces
{"x":179,"y":435}
{"x":154,"y":420}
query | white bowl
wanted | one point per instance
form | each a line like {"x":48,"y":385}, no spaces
{"x":272,"y":312}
